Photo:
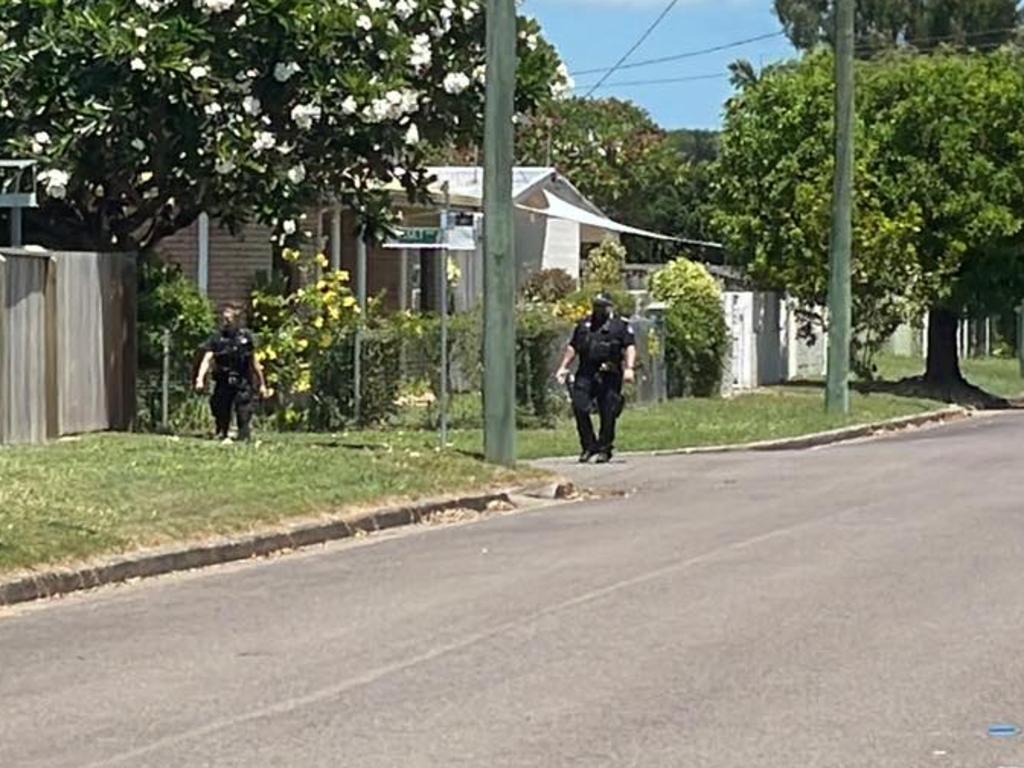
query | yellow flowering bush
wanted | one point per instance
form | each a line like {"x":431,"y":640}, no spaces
{"x":297,"y":328}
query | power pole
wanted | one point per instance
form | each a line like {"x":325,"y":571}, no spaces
{"x":499,"y":261}
{"x":840,"y":312}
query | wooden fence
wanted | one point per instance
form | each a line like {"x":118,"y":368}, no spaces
{"x":67,"y":344}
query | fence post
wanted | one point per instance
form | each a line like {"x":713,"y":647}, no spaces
{"x":165,"y":384}
{"x":442,"y":282}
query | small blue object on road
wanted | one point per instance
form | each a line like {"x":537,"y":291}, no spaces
{"x":1003,"y":731}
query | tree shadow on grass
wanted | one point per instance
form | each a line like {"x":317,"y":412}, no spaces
{"x":960,"y":393}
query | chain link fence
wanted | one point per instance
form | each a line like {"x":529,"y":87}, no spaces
{"x":400,"y":380}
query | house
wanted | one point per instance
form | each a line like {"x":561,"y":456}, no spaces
{"x":555,"y":224}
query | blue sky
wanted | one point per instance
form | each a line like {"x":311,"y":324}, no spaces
{"x":595,"y":33}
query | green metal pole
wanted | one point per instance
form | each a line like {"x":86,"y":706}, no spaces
{"x":840,"y":312}
{"x":499,"y":231}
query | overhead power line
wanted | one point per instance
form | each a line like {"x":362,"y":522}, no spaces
{"x":647,"y":33}
{"x":662,"y":81}
{"x":686,"y":55}
{"x":862,"y":48}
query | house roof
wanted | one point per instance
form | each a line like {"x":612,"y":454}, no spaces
{"x":468,"y":181}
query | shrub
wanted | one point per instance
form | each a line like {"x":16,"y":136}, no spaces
{"x":579,"y":305}
{"x":697,"y":337}
{"x":169,"y":301}
{"x":605,"y":265}
{"x":540,"y":338}
{"x":300,"y":333}
{"x":549,"y":286}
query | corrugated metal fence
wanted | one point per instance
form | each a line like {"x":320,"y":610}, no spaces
{"x":67,"y":343}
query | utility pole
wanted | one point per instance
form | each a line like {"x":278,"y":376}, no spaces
{"x":499,"y":260}
{"x":840,"y":312}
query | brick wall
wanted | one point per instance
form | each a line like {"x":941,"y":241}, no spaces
{"x":234,"y":260}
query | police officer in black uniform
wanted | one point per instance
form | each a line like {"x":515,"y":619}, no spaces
{"x":606,"y":348}
{"x":237,"y":374}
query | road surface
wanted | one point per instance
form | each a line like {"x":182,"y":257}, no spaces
{"x":860,"y":605}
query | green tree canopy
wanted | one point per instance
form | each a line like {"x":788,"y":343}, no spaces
{"x":939,"y":187}
{"x":924,"y":24}
{"x":622,"y":160}
{"x":143,"y":113}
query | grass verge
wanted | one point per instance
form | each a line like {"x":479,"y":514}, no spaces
{"x":996,"y":375}
{"x":690,"y":423}
{"x":116,"y":493}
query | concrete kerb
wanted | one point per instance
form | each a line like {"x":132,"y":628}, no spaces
{"x":147,"y":564}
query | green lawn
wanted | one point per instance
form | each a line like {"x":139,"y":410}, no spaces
{"x":998,"y":376}
{"x":115,"y":493}
{"x":766,"y":415}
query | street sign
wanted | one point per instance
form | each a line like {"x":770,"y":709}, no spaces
{"x":415,"y":237}
{"x":459,"y":238}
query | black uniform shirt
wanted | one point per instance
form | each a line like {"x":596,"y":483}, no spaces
{"x":601,"y":345}
{"x":233,"y":353}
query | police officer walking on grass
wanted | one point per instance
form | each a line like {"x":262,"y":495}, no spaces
{"x":605,"y":346}
{"x":237,"y":375}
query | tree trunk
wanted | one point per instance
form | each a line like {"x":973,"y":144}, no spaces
{"x":943,"y":358}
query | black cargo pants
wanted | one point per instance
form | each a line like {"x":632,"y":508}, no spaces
{"x":603,"y":390}
{"x":233,"y":396}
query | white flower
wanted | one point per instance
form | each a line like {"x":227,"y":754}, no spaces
{"x":215,"y":6}
{"x":563,"y":85}
{"x":456,"y":82}
{"x":285,"y":72}
{"x":198,"y":72}
{"x":214,"y":109}
{"x":420,"y":54}
{"x":155,"y":6}
{"x":138,"y":65}
{"x":42,"y":138}
{"x":145,"y":177}
{"x":480,"y":74}
{"x":138,"y":145}
{"x":405,"y":8}
{"x":297,"y":175}
{"x":376,"y":5}
{"x":349,"y":106}
{"x":364,"y":22}
{"x":252,"y":106}
{"x":241,"y":21}
{"x":305,"y":115}
{"x":141,"y":32}
{"x":264,"y":140}
{"x":56,"y":183}
{"x":532,"y":41}
{"x":470,"y":11}
{"x":224,"y":167}
{"x":412,"y":136}
{"x":290,"y":228}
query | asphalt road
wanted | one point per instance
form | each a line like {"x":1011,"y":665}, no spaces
{"x":861,"y":605}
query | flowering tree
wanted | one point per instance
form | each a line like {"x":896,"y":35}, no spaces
{"x":143,"y":113}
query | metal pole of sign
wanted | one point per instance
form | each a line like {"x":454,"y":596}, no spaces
{"x":442,"y":287}
{"x":165,"y":388}
{"x":17,"y":238}
{"x":357,"y":373}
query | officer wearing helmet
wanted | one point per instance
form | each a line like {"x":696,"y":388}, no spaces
{"x":605,"y":346}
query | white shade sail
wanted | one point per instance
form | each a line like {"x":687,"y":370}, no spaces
{"x":562,"y":209}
